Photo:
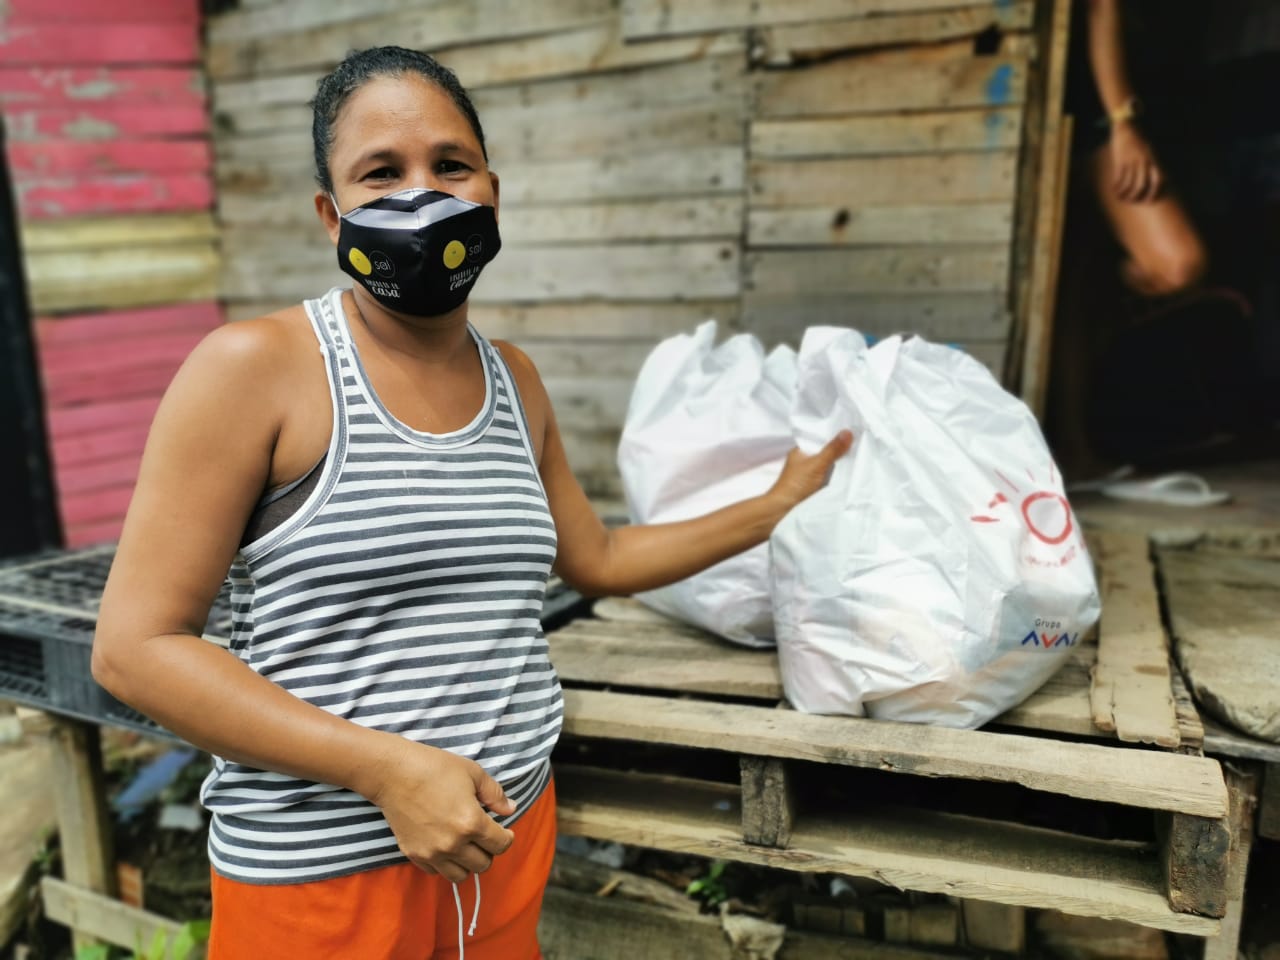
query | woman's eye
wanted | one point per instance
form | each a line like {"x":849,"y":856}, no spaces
{"x":382,"y":173}
{"x":451,"y":166}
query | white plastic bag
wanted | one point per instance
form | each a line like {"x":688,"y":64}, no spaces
{"x":940,"y":577}
{"x":706,"y":427}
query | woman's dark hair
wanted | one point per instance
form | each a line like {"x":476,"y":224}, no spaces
{"x":361,"y":66}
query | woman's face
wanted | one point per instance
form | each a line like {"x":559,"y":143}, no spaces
{"x":395,"y":133}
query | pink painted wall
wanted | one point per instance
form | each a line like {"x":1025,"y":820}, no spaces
{"x":106,"y":115}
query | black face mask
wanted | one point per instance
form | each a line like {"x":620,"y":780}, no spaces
{"x":417,"y":251}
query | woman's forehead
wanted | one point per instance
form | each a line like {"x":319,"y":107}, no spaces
{"x":408,"y":105}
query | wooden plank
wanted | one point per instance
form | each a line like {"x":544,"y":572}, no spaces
{"x":1132,"y":690}
{"x":1190,"y":726}
{"x":69,"y":452}
{"x":28,"y":818}
{"x":681,"y":218}
{"x":949,"y":131}
{"x":587,"y":50}
{"x":1269,"y":803}
{"x":91,"y":534}
{"x":94,"y":44}
{"x":1223,"y":741}
{"x":1040,"y":168}
{"x":123,"y":277}
{"x":432,"y":28}
{"x":1044,"y":281}
{"x":563,"y":357}
{"x":854,"y":183}
{"x":990,"y":355}
{"x":649,"y":18}
{"x":102,"y":917}
{"x":283,"y":17}
{"x":916,"y":850}
{"x":62,"y":86}
{"x":1160,"y":781}
{"x":90,"y":387}
{"x":55,"y":236}
{"x":69,"y":421}
{"x":708,"y":78}
{"x":98,"y":506}
{"x":1062,"y":704}
{"x":949,"y":317}
{"x":889,"y":82}
{"x":695,"y":125}
{"x":974,"y":269}
{"x":104,"y":121}
{"x":616,"y":272}
{"x":511,"y":132}
{"x":248,"y":191}
{"x":659,"y":85}
{"x":995,"y":926}
{"x":570,"y":920}
{"x":782,"y":45}
{"x":615,"y":927}
{"x":133,"y":193}
{"x":101,"y":475}
{"x":836,"y":225}
{"x":658,"y":657}
{"x":92,"y":357}
{"x":1195,"y":857}
{"x":84,"y":828}
{"x":592,"y":318}
{"x":63,"y":159}
{"x":768,"y":802}
{"x":69,"y":331}
{"x":1242,"y":786}
{"x":1223,"y":609}
{"x":131,"y":11}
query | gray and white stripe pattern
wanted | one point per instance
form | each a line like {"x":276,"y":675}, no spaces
{"x":404,"y":595}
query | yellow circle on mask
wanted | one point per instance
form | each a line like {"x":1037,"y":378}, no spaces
{"x":454,"y":254}
{"x":360,"y":261}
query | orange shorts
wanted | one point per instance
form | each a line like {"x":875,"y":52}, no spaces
{"x":397,"y":912}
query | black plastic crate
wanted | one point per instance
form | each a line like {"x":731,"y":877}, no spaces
{"x":48,"y":611}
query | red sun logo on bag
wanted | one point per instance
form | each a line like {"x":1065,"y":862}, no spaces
{"x":1046,"y":513}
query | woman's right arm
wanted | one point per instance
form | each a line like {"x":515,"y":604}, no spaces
{"x":206,"y":462}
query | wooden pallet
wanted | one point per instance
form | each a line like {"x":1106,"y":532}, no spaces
{"x":632,"y":677}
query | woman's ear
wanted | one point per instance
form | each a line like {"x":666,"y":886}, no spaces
{"x":493,"y":180}
{"x":328,"y":215}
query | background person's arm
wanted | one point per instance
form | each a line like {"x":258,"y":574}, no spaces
{"x":207,"y":460}
{"x":1136,"y":174}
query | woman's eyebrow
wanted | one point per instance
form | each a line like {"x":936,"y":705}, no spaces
{"x":385,"y":155}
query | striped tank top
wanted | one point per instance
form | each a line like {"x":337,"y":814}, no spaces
{"x":404,"y":594}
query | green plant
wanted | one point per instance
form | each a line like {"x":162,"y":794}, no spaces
{"x":183,"y":946}
{"x":709,"y":889}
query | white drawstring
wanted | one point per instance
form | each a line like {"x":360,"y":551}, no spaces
{"x":476,"y":915}
{"x":457,"y":902}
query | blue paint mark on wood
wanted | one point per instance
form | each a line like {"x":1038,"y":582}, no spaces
{"x":1000,"y":85}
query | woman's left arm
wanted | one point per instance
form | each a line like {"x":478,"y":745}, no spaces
{"x":599,"y":561}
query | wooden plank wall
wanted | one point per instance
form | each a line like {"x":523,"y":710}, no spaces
{"x":771,"y":163}
{"x":108,"y":136}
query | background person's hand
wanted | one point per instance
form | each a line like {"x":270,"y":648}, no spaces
{"x":435,"y":803}
{"x":1137,"y":177}
{"x":804,"y":474}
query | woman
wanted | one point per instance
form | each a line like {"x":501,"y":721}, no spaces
{"x":1164,"y":252}
{"x":383,"y":725}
